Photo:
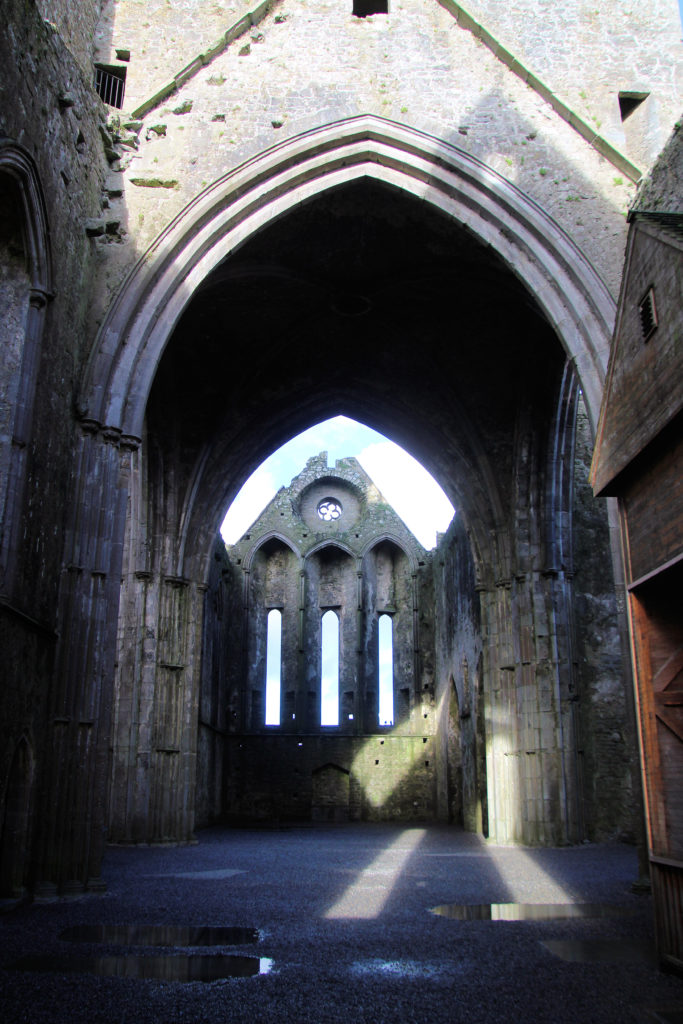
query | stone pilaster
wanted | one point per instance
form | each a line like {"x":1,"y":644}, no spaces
{"x":72,"y":823}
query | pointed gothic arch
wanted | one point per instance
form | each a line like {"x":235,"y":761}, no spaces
{"x":116,"y":387}
{"x":24,"y":312}
{"x":572,"y":296}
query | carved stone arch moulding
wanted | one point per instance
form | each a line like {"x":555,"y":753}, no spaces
{"x":328,"y":544}
{"x":18,"y":164}
{"x":132,"y":338}
{"x":262,"y":541}
{"x":397,"y":542}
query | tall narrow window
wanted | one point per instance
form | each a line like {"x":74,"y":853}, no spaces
{"x":273,"y":667}
{"x":386,"y":670}
{"x":329,"y":669}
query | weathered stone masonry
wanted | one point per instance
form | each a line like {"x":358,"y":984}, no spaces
{"x":415,"y":218}
{"x":363,"y":564}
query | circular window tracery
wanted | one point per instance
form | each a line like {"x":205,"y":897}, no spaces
{"x":329,"y":510}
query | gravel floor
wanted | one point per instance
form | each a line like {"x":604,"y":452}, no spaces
{"x":345,"y":930}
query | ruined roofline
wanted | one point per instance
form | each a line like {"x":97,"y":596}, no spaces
{"x":347,"y":470}
{"x":466,"y":21}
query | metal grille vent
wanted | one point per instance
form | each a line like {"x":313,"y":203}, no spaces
{"x":110,"y":83}
{"x":648,"y":314}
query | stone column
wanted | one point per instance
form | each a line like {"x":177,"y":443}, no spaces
{"x":157,"y":700}
{"x":72,"y":825}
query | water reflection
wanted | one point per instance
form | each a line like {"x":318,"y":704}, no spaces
{"x":156,"y":968}
{"x":160,"y":935}
{"x":631,"y":951}
{"x":528,"y":911}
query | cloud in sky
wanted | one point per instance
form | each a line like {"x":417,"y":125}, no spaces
{"x":249,"y":503}
{"x":414,"y":494}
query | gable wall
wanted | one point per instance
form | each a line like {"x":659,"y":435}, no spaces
{"x":304,"y":64}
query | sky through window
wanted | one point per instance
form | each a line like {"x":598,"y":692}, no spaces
{"x":414,"y":494}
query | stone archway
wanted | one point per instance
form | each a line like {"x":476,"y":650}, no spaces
{"x":168,"y":595}
{"x":571,"y":295}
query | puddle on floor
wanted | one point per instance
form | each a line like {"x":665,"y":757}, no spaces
{"x":211,"y":875}
{"x":613,"y":951}
{"x":528,"y":911}
{"x":160,"y":935}
{"x":672,"y":1015}
{"x":150,"y":968}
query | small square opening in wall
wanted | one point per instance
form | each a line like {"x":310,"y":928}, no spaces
{"x":364,"y":8}
{"x":648,"y":314}
{"x":110,"y":84}
{"x":630,"y":101}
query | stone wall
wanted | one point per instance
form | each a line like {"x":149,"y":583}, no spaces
{"x":47,"y":107}
{"x":607,"y":741}
{"x":76,"y":24}
{"x":50,"y":127}
{"x":535,"y":723}
{"x":661,"y":191}
{"x":214,"y":713}
{"x":273,"y":778}
{"x":303,"y":64}
{"x":161,"y":38}
{"x":587,"y":54}
{"x":104,"y":193}
{"x":293,"y":561}
{"x":459,"y":696}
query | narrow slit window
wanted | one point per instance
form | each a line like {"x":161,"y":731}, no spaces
{"x":385,"y":657}
{"x":629,"y":102}
{"x":329,"y":669}
{"x":273,"y":667}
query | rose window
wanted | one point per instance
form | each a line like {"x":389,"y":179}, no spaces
{"x":329,"y":510}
